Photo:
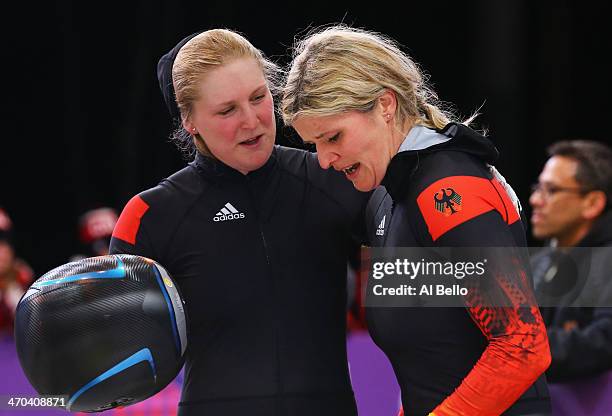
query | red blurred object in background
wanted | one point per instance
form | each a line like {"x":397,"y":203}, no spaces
{"x":15,"y":275}
{"x":97,"y":224}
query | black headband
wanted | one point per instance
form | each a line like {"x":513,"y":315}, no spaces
{"x":164,"y":76}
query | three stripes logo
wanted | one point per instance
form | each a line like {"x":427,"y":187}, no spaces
{"x":228,"y":212}
{"x":381,"y":227}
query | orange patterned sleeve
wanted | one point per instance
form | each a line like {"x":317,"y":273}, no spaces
{"x":517,"y":354}
{"x":503,"y":307}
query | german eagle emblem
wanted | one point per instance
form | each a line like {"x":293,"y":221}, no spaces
{"x":447,"y":201}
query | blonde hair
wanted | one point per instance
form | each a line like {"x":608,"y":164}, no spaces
{"x":340,"y":69}
{"x":200,"y":55}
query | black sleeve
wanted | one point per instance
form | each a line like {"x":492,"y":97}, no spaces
{"x":333,"y":184}
{"x":341,"y":190}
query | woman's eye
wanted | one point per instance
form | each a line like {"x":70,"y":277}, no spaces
{"x":334,"y":138}
{"x":226,"y":111}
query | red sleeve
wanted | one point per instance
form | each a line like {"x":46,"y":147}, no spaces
{"x":129,"y":221}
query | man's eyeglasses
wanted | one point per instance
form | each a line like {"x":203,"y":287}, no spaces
{"x":547,"y":190}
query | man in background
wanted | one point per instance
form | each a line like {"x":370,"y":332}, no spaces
{"x":572,"y":210}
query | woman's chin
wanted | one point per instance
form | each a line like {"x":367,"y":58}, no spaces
{"x":257,"y":160}
{"x":363,"y":186}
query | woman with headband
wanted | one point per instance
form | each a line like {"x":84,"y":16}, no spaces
{"x":257,"y":237}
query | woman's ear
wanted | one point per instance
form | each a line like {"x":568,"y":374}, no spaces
{"x":189,"y":126}
{"x":388,"y":104}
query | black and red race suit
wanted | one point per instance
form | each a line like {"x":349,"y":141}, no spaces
{"x":261,"y":261}
{"x":441,"y":191}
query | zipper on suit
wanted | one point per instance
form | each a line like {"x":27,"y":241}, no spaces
{"x":250,"y":186}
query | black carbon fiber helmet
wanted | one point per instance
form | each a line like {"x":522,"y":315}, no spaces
{"x":103,"y":331}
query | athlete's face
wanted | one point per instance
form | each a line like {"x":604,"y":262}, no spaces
{"x":359,"y":144}
{"x":235,"y":115}
{"x":558,"y":204}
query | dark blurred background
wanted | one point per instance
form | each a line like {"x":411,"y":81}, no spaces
{"x":85,"y":124}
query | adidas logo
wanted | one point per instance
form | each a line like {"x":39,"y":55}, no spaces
{"x":228,"y":212}
{"x":381,"y":227}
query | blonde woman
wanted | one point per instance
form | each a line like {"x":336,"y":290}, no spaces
{"x":365,"y":105}
{"x":256,"y":235}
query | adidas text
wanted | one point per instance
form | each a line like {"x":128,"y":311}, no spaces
{"x":228,"y":217}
